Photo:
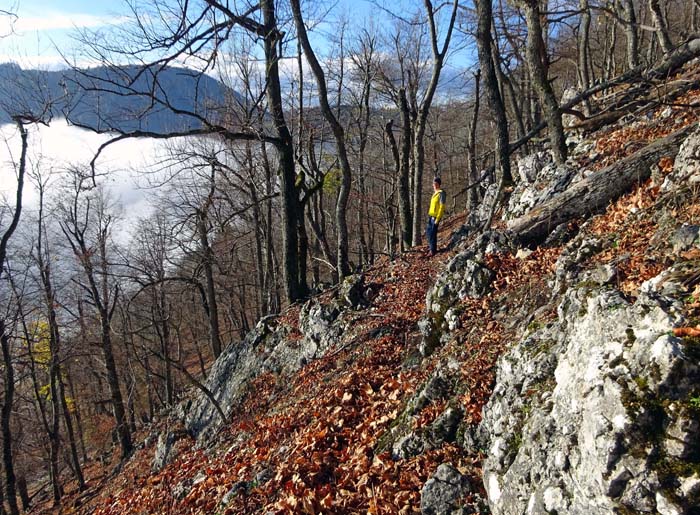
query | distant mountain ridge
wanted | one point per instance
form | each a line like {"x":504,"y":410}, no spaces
{"x":115,"y":98}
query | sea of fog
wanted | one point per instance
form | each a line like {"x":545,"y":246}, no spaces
{"x":123,"y":168}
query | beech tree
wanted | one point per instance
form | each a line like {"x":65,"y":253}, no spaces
{"x":7,"y":323}
{"x":87,"y":224}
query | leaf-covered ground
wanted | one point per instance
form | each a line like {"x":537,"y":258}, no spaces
{"x":305,"y":444}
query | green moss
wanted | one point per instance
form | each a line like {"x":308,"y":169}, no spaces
{"x":540,"y":346}
{"x":588,"y":285}
{"x":514,"y":443}
{"x":631,"y":337}
{"x":694,"y":402}
{"x":642,"y":383}
{"x":533,"y":326}
{"x":400,"y":426}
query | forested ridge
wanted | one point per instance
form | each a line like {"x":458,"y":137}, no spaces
{"x":287,"y":232}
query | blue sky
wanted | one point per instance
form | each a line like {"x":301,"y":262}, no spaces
{"x":43,"y":29}
{"x":41,"y":26}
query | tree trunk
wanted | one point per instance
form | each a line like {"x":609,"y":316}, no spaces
{"x":341,"y":206}
{"x":537,"y":62}
{"x":405,"y":212}
{"x":424,"y":111}
{"x":78,"y":416}
{"x":5,"y":419}
{"x":661,"y":27}
{"x":67,"y":420}
{"x":583,"y":46}
{"x":630,"y":27}
{"x":113,"y":382}
{"x":495,"y":101}
{"x":210,"y":287}
{"x":473,"y":174}
{"x":9,"y":383}
{"x":290,"y":197}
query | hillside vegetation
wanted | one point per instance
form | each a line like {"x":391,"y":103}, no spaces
{"x":330,"y":438}
{"x":273,"y":336}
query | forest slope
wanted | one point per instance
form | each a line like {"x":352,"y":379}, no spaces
{"x":363,"y":427}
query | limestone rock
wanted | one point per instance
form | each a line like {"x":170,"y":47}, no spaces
{"x":542,"y":180}
{"x":686,"y":167}
{"x":477,"y":219}
{"x":163,"y":454}
{"x":586,"y":416}
{"x":568,"y":264}
{"x":352,"y":292}
{"x":441,"y":493}
{"x":685,"y":238}
{"x":529,"y":166}
{"x":268,"y":348}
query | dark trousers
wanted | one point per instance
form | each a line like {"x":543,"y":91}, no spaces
{"x":431,"y":232}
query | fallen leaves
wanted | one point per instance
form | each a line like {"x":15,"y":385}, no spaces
{"x":685,"y":332}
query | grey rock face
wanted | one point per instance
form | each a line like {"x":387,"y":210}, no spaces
{"x":268,"y":348}
{"x":686,"y":237}
{"x":591,"y":415}
{"x":465,"y":277}
{"x":477,"y":219}
{"x":529,"y":166}
{"x":686,"y":167}
{"x":404,"y":441}
{"x":352,"y":292}
{"x":163,"y":454}
{"x":576,"y":252}
{"x":541,"y":180}
{"x":441,"y":493}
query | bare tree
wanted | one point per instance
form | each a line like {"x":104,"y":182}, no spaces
{"x":87,"y":225}
{"x":538,"y":64}
{"x":491,"y":89}
{"x":343,"y":265}
{"x":5,"y":327}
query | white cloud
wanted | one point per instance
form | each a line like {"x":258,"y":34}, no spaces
{"x":55,"y":21}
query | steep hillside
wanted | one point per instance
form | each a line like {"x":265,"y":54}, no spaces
{"x":369,"y":398}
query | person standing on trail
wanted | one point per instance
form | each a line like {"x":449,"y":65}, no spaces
{"x":437,"y":208}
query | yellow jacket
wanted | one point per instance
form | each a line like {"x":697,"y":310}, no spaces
{"x":437,"y":205}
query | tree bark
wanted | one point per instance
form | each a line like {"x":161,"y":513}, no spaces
{"x":9,"y":383}
{"x":583,"y":45}
{"x":661,"y":27}
{"x":210,"y":287}
{"x":424,"y":111}
{"x":290,"y":196}
{"x":630,"y":28}
{"x":472,"y":193}
{"x":341,"y":206}
{"x":5,"y":421}
{"x":405,"y":211}
{"x":538,"y":64}
{"x":495,"y":101}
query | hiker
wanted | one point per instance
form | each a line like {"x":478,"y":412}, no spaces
{"x":437,"y":208}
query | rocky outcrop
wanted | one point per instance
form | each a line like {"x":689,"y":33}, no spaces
{"x":595,"y":414}
{"x":403,"y":439}
{"x":443,"y":492}
{"x":686,"y":167}
{"x":476,"y":220}
{"x":540,"y":180}
{"x":465,"y":277}
{"x":270,"y":347}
